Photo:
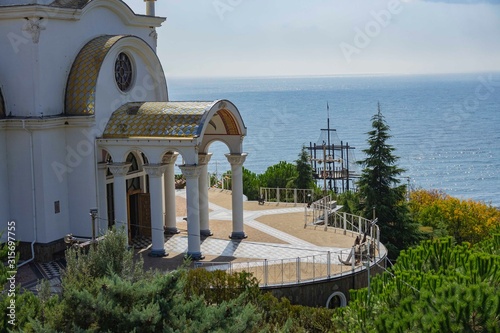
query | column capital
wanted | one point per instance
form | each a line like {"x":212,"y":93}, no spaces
{"x":191,"y":171}
{"x":155,"y":170}
{"x":119,"y":169}
{"x":169,"y":158}
{"x":203,"y":158}
{"x":236,"y":159}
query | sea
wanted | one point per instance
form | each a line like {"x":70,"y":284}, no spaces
{"x":445,"y":128}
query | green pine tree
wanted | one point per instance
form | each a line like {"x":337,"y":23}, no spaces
{"x":380,"y":190}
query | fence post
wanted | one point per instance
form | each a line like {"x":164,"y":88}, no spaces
{"x":378,"y":241}
{"x":278,"y":195}
{"x":266,"y":279}
{"x":345,"y":223}
{"x":282,"y":272}
{"x":298,"y":269}
{"x":329,"y":265}
{"x":314,"y":268}
{"x":359,"y":225}
{"x":314,"y":214}
{"x":305,"y":216}
{"x":325,"y":215}
{"x":295,"y":196}
{"x":353,"y":258}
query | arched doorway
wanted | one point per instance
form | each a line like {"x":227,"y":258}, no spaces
{"x":138,"y":198}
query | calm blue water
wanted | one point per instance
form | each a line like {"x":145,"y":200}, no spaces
{"x":445,"y":128}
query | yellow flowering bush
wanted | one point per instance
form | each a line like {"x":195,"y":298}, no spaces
{"x":466,"y":220}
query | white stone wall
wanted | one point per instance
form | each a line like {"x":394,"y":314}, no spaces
{"x":19,"y":183}
{"x":4,"y":188}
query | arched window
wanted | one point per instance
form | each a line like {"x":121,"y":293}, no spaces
{"x":135,"y":164}
{"x":133,"y":183}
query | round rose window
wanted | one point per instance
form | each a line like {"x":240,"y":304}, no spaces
{"x":123,"y":72}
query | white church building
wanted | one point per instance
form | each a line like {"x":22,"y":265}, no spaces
{"x":86,"y":123}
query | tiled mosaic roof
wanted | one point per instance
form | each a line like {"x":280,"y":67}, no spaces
{"x":157,"y":119}
{"x":82,"y":81}
{"x":2,"y":106}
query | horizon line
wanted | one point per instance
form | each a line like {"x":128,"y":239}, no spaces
{"x":285,"y":76}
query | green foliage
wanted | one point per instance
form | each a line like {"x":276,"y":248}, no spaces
{"x":104,"y":290}
{"x":304,"y":178}
{"x":282,"y":175}
{"x":218,"y":286}
{"x":285,"y":317}
{"x":379,"y":189}
{"x":349,"y":201}
{"x":438,"y":286}
{"x":108,"y":258}
{"x":251,"y":186}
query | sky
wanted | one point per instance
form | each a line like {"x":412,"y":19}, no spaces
{"x":207,"y":38}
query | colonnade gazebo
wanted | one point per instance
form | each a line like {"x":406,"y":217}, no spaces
{"x":161,"y":131}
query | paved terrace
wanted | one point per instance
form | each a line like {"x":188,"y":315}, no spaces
{"x":275,"y":231}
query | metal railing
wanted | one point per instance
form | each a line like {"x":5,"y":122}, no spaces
{"x":278,"y":272}
{"x":286,"y":195}
{"x":336,"y":220}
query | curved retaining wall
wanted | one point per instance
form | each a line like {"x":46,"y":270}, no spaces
{"x":317,"y":293}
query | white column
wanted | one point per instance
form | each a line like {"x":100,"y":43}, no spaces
{"x":203,"y":160}
{"x":102,"y":225}
{"x":192,"y":173}
{"x":155,"y":172}
{"x":119,"y":171}
{"x":236,"y":161}
{"x":169,"y":190}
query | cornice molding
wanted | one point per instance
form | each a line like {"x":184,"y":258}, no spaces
{"x":72,"y":14}
{"x":47,"y":123}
